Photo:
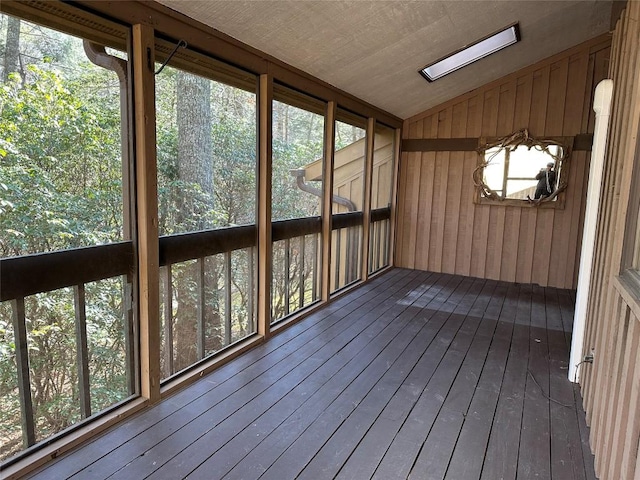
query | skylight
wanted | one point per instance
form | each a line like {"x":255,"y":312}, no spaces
{"x":470,"y":54}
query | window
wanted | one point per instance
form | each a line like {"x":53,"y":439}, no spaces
{"x":298,"y":142}
{"x":381,"y":189}
{"x":66,"y":343}
{"x":348,"y":198}
{"x":206,"y":150}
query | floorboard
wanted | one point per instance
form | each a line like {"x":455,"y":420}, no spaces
{"x":414,"y":375}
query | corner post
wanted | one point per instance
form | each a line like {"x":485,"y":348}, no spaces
{"x":147,"y":202}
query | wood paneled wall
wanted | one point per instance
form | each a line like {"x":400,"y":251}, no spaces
{"x":440,"y":228}
{"x":611,"y":385}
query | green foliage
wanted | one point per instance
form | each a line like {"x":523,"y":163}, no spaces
{"x":60,"y":167}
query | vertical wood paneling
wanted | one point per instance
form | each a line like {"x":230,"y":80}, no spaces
{"x":528,"y":216}
{"x":543,"y":232}
{"x":447,"y":231}
{"x":423,"y":204}
{"x":574,"y":108}
{"x":467,"y":211}
{"x":436,"y":245}
{"x":604,"y":303}
{"x":557,"y":125}
{"x":510,"y":215}
{"x":454,"y":192}
{"x":611,"y":386}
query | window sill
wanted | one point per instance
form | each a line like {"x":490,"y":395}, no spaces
{"x":628,"y":287}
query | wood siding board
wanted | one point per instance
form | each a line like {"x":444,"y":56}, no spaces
{"x":474,"y":116}
{"x":413,"y":169}
{"x":528,"y":217}
{"x":588,"y":93}
{"x":623,"y":421}
{"x":441,"y":193}
{"x":424,"y":205}
{"x":606,"y":231}
{"x":557,"y":125}
{"x":614,"y":388}
{"x":409,"y":217}
{"x":598,"y":289}
{"x":402,"y":239}
{"x":628,"y":463}
{"x":510,"y":215}
{"x":544,"y":218}
{"x":495,"y":225}
{"x":455,"y":183}
{"x":484,"y":237}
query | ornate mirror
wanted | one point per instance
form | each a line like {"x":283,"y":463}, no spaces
{"x":520,"y":170}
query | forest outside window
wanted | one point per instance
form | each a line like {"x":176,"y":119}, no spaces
{"x":523,"y":171}
{"x":206,"y":151}
{"x":66,"y":348}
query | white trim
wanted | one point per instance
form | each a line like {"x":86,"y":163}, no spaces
{"x":602,"y":107}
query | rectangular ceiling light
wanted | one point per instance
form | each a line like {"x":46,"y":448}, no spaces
{"x":470,"y":54}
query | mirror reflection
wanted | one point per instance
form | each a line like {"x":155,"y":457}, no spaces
{"x":521,"y":168}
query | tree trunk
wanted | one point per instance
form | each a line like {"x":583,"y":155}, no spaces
{"x":195,"y":170}
{"x":12,"y":48}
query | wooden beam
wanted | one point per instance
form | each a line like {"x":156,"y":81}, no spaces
{"x":24,"y":381}
{"x":327,"y":187}
{"x":295,"y":227}
{"x":147,"y":201}
{"x":582,"y":142}
{"x":394,"y":197}
{"x":43,"y":272}
{"x":368,"y":176}
{"x":192,"y":245}
{"x":82,"y":353}
{"x":265,"y":156}
{"x":346,"y":220}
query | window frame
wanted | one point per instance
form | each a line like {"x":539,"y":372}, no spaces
{"x":481,"y":196}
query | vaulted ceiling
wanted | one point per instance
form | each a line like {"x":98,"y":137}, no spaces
{"x":373,"y":49}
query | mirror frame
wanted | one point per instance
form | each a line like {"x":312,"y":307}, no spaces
{"x":484,"y":195}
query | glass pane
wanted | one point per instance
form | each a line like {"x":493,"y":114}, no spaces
{"x":381,"y":189}
{"x":383,"y":161}
{"x":295,"y":281}
{"x":494,"y":171}
{"x":206,"y":150}
{"x":10,"y":427}
{"x":520,"y":189}
{"x":60,"y":144}
{"x":298,"y":141}
{"x":206,"y":305}
{"x":346,"y":256}
{"x":348,"y":168}
{"x":107,"y":342}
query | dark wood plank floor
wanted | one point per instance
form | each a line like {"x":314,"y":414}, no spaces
{"x":414,"y":375}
